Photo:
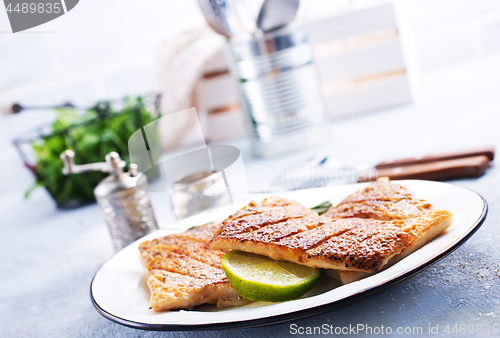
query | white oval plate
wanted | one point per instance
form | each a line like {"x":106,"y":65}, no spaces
{"x":119,"y":291}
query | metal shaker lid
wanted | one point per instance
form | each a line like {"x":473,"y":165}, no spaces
{"x":112,"y":184}
{"x":116,"y":181}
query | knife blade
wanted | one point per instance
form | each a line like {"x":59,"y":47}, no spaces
{"x":320,"y":170}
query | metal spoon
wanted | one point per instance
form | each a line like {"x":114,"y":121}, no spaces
{"x":217,"y":14}
{"x":275,"y":14}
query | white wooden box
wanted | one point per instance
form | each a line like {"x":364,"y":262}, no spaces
{"x":360,"y":62}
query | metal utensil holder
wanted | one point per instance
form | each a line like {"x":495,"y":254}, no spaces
{"x":279,"y":91}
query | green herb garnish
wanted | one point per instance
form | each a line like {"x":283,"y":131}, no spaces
{"x":104,"y":128}
{"x":322,"y":208}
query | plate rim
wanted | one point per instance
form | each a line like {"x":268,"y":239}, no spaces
{"x":303,"y":313}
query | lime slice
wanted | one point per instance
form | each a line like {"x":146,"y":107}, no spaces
{"x":257,"y":277}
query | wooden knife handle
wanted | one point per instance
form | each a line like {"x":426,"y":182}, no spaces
{"x":435,"y":171}
{"x":485,"y":151}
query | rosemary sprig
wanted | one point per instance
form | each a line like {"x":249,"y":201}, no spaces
{"x":322,"y":208}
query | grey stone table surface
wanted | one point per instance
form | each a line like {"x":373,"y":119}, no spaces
{"x":49,"y":256}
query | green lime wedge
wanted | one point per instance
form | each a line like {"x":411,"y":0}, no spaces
{"x":257,"y":277}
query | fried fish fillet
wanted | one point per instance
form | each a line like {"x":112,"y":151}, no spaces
{"x":394,"y":203}
{"x":283,"y":229}
{"x":184,"y":272}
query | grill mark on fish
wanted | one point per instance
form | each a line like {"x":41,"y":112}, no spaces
{"x":255,"y":221}
{"x":355,"y":246}
{"x":276,"y":231}
{"x":395,"y":204}
{"x":380,"y":191}
{"x":399,"y":207}
{"x":198,"y":251}
{"x":379,"y":209}
{"x":272,"y":239}
{"x":184,"y":264}
{"x":309,"y":239}
{"x":185,"y":272}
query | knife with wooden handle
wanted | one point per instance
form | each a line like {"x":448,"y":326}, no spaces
{"x":441,"y":167}
{"x":484,"y":151}
{"x":436,"y":171}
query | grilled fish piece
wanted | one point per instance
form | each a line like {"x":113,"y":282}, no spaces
{"x":184,"y":272}
{"x":382,"y":200}
{"x":283,"y":229}
{"x":392,"y":202}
